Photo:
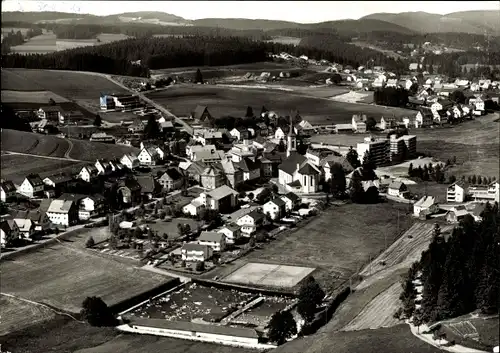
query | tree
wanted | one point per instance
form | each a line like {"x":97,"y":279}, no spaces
{"x":473,"y":180}
{"x":352,"y":158}
{"x":281,"y":146}
{"x":410,"y":170}
{"x":281,"y":327}
{"x":263,"y":111}
{"x":152,"y":130}
{"x":198,"y":78}
{"x":310,"y":296}
{"x":356,"y":189}
{"x":338,"y":183}
{"x":371,"y":195}
{"x":370,"y":123}
{"x":97,"y":120}
{"x":457,"y":97}
{"x":90,"y":242}
{"x":97,"y":313}
{"x":251,"y":242}
{"x":52,"y":102}
{"x":418,"y":319}
{"x":249,"y":113}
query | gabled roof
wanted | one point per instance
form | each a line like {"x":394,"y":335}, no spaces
{"x":333,"y":159}
{"x":34,"y":179}
{"x":278,"y":202}
{"x":221,"y":192}
{"x":59,"y":178}
{"x":8,"y":225}
{"x":198,"y":111}
{"x":292,"y":197}
{"x":308,"y":169}
{"x":255,"y":215}
{"x":147,"y":184}
{"x":172,"y":173}
{"x":91,"y":169}
{"x":211,"y":236}
{"x":60,"y":206}
{"x":231,"y":227}
{"x":425,"y":202}
{"x":396,"y":185}
{"x":8,"y":186}
{"x":72,"y":197}
{"x":196,"y":168}
{"x":289,"y":165}
{"x":247,"y":164}
{"x":196,"y":247}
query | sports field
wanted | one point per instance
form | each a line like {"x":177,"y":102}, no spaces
{"x":282,"y":276}
{"x":233,"y":101}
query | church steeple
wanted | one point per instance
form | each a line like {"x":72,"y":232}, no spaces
{"x":291,"y":139}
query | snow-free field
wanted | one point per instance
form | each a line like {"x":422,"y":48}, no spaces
{"x":269,"y":275}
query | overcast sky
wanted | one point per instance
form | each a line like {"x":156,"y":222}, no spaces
{"x":297,"y":11}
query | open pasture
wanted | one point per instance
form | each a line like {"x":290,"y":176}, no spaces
{"x":244,"y":68}
{"x":82,"y":88}
{"x":42,"y":44}
{"x":41,"y":97}
{"x":170,"y":227}
{"x":16,"y":314}
{"x":183,"y":99}
{"x":285,"y":40}
{"x":270,"y":275}
{"x":63,"y":277}
{"x":16,"y":167}
{"x":337,"y":242}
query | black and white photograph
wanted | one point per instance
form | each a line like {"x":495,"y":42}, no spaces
{"x":250,"y":176}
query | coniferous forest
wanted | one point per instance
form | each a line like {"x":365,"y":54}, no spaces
{"x":460,"y":274}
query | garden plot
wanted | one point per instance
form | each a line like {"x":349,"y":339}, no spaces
{"x":193,"y":302}
{"x":269,"y":275}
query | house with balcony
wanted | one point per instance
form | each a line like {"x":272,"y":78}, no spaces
{"x":486,"y":193}
{"x":457,"y":192}
{"x":215,"y":240}
{"x":194,"y":252}
{"x":250,"y":222}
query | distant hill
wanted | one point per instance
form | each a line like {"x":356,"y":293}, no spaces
{"x":472,"y":22}
{"x":353,"y":27}
{"x":244,"y":23}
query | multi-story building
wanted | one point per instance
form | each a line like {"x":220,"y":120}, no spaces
{"x":456,"y":192}
{"x":411,"y":145}
{"x":489,"y":193}
{"x":378,"y":150}
{"x":396,"y":147}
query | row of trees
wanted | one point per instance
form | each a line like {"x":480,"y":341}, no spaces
{"x":391,"y":96}
{"x":427,"y":173}
{"x":460,"y":274}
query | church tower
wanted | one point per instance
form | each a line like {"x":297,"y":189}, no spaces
{"x":291,"y":145}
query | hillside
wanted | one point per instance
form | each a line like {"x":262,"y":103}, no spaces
{"x":243,"y":23}
{"x":473,"y":22}
{"x":355,"y":27}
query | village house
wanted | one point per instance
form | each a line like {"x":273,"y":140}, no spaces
{"x":91,"y":206}
{"x":275,"y":208}
{"x":234,"y":175}
{"x":171,"y":180}
{"x":63,"y":212}
{"x":424,"y":118}
{"x":240,"y":133}
{"x":223,"y":199}
{"x":250,"y":222}
{"x":387,"y":122}
{"x":88,"y":173}
{"x":130,"y":161}
{"x":31,"y":186}
{"x":148,"y":156}
{"x":136,"y":127}
{"x":243,"y":150}
{"x":212,"y":178}
{"x":208,"y":156}
{"x":216,"y":240}
{"x":57,"y":181}
{"x":457,"y":192}
{"x":149,"y":186}
{"x":423,"y":204}
{"x":359,"y":123}
{"x":39,"y":218}
{"x":292,"y":201}
{"x":129,"y":191}
{"x":201,"y":115}
{"x":193,"y":208}
{"x":397,"y":189}
{"x":104,"y":167}
{"x":7,"y":190}
{"x":194,"y":252}
{"x":263,"y":130}
{"x":26,"y":228}
{"x":478,"y":103}
{"x":456,"y":214}
{"x":232,"y":233}
{"x":8,"y":231}
{"x":250,"y":168}
{"x":266,"y":167}
{"x":51,"y":113}
{"x":193,"y":148}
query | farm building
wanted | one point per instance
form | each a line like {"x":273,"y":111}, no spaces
{"x":201,"y":115}
{"x":39,"y":218}
{"x":148,"y":156}
{"x":51,"y":113}
{"x":88,"y":173}
{"x":397,"y":189}
{"x":8,"y":230}
{"x":193,"y":208}
{"x":171,"y":179}
{"x":58,"y":180}
{"x":425,"y":203}
{"x":456,"y":215}
{"x":130,"y":161}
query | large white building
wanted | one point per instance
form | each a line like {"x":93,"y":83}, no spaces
{"x":456,"y":192}
{"x":378,"y":149}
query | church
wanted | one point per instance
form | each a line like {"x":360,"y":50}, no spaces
{"x":296,"y":173}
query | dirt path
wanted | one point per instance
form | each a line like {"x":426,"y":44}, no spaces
{"x":66,"y":154}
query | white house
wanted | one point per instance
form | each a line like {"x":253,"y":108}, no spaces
{"x":130,"y":161}
{"x":62,"y":212}
{"x":250,"y":222}
{"x":489,"y":192}
{"x":7,"y":190}
{"x":216,"y":240}
{"x":240,"y":134}
{"x":31,"y":186}
{"x":291,"y":200}
{"x":193,"y":208}
{"x":275,"y":208}
{"x":104,"y":167}
{"x":88,"y":173}
{"x":26,"y":227}
{"x":279,"y":134}
{"x":91,"y":206}
{"x":222,"y":199}
{"x":423,"y":204}
{"x":478,"y":103}
{"x":456,"y":192}
{"x":232,"y":232}
{"x":397,"y":188}
{"x":196,"y":252}
{"x":148,"y":156}
{"x":171,"y":179}
{"x":8,"y":229}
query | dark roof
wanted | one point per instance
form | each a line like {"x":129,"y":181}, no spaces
{"x":72,"y":197}
{"x":295,"y":183}
{"x":308,"y":169}
{"x":59,"y":178}
{"x":34,"y":179}
{"x":198,"y":111}
{"x":446,"y":103}
{"x":292,"y":196}
{"x":278,"y":201}
{"x":193,"y":327}
{"x":8,"y":186}
{"x":44,"y":205}
{"x":256,"y":215}
{"x":332,"y":159}
{"x":132,"y":184}
{"x":426,"y":111}
{"x":147,"y":184}
{"x":247,"y":165}
{"x":173,"y":174}
{"x":289,"y":165}
{"x":7,"y":225}
{"x":52,"y":108}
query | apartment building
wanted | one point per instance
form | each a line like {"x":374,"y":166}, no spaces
{"x":378,"y":149}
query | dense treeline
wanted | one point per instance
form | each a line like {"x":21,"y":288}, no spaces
{"x":467,"y":57}
{"x":306,"y":32}
{"x":335,"y":50}
{"x":391,"y":96}
{"x":11,"y":39}
{"x":461,"y":274}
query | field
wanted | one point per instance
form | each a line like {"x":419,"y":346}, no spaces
{"x":16,"y":167}
{"x":18,"y":314}
{"x":41,"y":97}
{"x":63,"y":276}
{"x":268,"y":275}
{"x":52,"y":146}
{"x":473,"y":331}
{"x":286,"y":40}
{"x":171,"y":227}
{"x":388,"y":53}
{"x":82,"y":88}
{"x":183,"y":99}
{"x":193,"y":302}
